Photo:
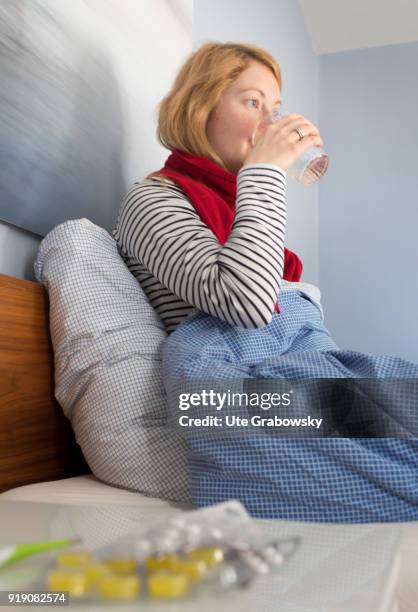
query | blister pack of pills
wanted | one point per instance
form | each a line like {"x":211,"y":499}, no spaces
{"x":215,"y":548}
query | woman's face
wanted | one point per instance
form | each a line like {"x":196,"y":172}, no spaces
{"x":241,"y":110}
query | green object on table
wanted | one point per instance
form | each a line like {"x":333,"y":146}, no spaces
{"x":14,"y":553}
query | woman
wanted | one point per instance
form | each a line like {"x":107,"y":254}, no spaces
{"x":215,"y":121}
{"x":205,"y":238}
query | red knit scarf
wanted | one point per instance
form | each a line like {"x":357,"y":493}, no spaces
{"x":212,"y":191}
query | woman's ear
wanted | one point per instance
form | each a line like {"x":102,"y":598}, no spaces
{"x":214,"y":113}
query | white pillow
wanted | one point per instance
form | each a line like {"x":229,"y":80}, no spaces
{"x":107,"y":342}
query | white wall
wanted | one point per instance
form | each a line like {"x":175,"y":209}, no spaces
{"x":17,"y":251}
{"x":369,"y":201}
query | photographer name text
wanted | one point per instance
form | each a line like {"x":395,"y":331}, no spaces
{"x":254,"y":421}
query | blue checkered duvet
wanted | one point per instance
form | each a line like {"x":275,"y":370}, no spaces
{"x":325,"y":479}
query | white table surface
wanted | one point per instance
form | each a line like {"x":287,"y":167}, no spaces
{"x":339,"y":568}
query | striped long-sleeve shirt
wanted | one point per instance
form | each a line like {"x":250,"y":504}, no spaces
{"x":182,"y":267}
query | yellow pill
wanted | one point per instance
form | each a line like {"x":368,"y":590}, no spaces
{"x":114,"y":586}
{"x":211,"y":556}
{"x":155,"y":564}
{"x":167,"y":585}
{"x":75,"y":559}
{"x":73,"y":582}
{"x":121,"y":565}
{"x":94,"y":572}
{"x":194,"y":569}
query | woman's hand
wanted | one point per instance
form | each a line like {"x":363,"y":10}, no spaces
{"x":280,"y":144}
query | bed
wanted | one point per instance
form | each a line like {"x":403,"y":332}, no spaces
{"x":41,"y":467}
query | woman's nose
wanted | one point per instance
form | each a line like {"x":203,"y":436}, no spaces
{"x":267,"y":119}
{"x":262,"y":125}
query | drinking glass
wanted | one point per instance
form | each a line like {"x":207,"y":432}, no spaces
{"x":311,"y":165}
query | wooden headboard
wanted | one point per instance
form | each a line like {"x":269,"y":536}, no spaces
{"x":36,"y":439}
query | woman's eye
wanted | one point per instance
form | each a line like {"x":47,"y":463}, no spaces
{"x":253,"y":100}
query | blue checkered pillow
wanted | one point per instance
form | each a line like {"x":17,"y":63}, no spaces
{"x":107,"y":342}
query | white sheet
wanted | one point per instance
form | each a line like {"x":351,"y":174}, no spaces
{"x":84,"y":490}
